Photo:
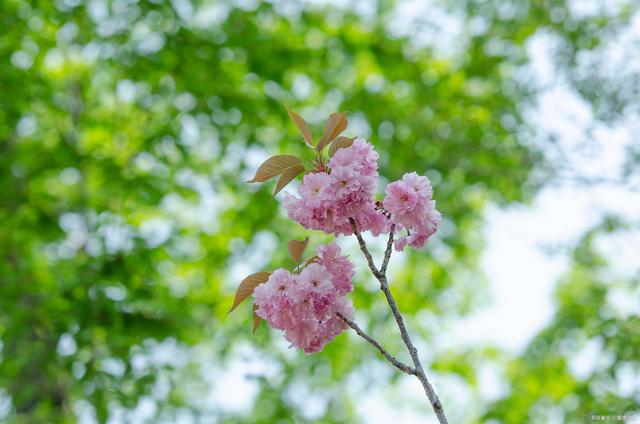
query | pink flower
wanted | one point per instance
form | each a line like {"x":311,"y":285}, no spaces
{"x":411,"y":208}
{"x":315,"y":185}
{"x":344,"y":181}
{"x":305,"y":306}
{"x":400,"y":244}
{"x":328,"y":199}
{"x":360,"y":156}
{"x":339,"y":266}
{"x":420,"y":185}
{"x":401,"y":199}
{"x":316,"y":279}
{"x":273,"y":299}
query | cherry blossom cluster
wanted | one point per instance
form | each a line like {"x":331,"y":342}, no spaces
{"x":306,"y":305}
{"x":337,"y":196}
{"x":309,"y":303}
{"x":345,"y":188}
{"x":410,"y":206}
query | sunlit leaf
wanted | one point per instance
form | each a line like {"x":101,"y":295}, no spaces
{"x":273,"y":166}
{"x":340,"y":143}
{"x":336,"y":123}
{"x":286,"y":177}
{"x":302,"y":126}
{"x":247,"y":286}
{"x":296,"y":249}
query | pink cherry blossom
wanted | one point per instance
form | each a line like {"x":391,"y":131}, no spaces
{"x":420,"y":185}
{"x":344,"y":182}
{"x":315,"y":185}
{"x":411,"y":208}
{"x":346,"y":189}
{"x":315,"y":279}
{"x":401,"y":199}
{"x":339,"y":266}
{"x":360,"y":156}
{"x":306,"y":305}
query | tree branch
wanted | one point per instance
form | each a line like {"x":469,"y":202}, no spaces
{"x":384,"y":286}
{"x":428,"y":388}
{"x":401,"y":366}
{"x":387,"y":253}
{"x":363,"y":247}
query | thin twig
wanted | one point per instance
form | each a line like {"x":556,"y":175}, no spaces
{"x":364,"y":249}
{"x":387,"y":253}
{"x":401,"y":366}
{"x":384,"y":286}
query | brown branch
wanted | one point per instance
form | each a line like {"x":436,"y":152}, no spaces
{"x":364,"y":249}
{"x":384,"y":286}
{"x":387,"y":253}
{"x":401,"y":366}
{"x":431,"y":394}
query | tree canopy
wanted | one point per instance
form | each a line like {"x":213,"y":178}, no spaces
{"x":128,"y":130}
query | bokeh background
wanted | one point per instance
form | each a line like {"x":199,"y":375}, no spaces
{"x":128,"y":128}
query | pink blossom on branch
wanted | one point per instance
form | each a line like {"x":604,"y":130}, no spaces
{"x":306,"y":305}
{"x":340,"y":268}
{"x":346,"y":189}
{"x":338,"y":197}
{"x":411,"y":207}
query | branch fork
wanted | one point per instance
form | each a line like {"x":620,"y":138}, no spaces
{"x":381,"y":276}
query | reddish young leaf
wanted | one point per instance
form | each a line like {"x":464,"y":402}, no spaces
{"x":340,"y":143}
{"x":256,"y":319}
{"x":302,"y":126}
{"x":296,"y":249}
{"x":286,"y":177}
{"x":273,"y":166}
{"x":247,"y":286}
{"x":336,"y":123}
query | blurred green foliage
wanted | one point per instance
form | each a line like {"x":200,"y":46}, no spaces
{"x":127,"y":130}
{"x":586,"y":320}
